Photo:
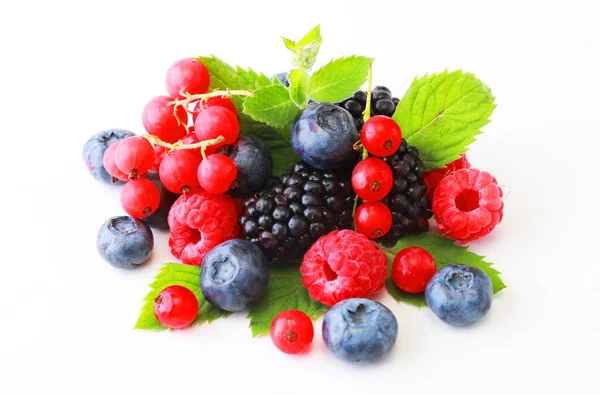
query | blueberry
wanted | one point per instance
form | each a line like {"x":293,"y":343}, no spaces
{"x":159,"y":218}
{"x":459,"y":294}
{"x":282,"y":77}
{"x":254,"y":165}
{"x":125,"y":242}
{"x":324,"y":135}
{"x":94,"y":148}
{"x":359,"y":330}
{"x":234,"y":275}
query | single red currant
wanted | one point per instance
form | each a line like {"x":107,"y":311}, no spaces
{"x":179,"y":171}
{"x":373,"y":219}
{"x":134,"y":156}
{"x":216,"y":121}
{"x":412,"y":269}
{"x":189,"y":75}
{"x":214,"y":102}
{"x":108,"y":161}
{"x":381,"y":136}
{"x":159,"y":120}
{"x":140,"y":198}
{"x":372,"y":179}
{"x":159,"y":154}
{"x":292,"y":331}
{"x":216,"y":173}
{"x":176,"y":307}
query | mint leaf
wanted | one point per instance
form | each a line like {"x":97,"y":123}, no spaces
{"x":306,"y":49}
{"x":445,"y":252}
{"x":285,"y":292}
{"x":299,"y":80}
{"x":176,"y":274}
{"x":272,"y":105}
{"x":339,"y":79}
{"x":441,"y":114}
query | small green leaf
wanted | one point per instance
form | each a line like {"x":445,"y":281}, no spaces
{"x":176,"y":274}
{"x":299,"y":80}
{"x":445,"y":252}
{"x":339,"y":79}
{"x":289,"y":44}
{"x":285,"y":292}
{"x":306,"y":49}
{"x":272,"y":105}
{"x":441,"y":114}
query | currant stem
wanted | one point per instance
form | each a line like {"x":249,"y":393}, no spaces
{"x":180,"y":145}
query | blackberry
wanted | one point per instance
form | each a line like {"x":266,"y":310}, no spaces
{"x":285,"y":219}
{"x":408,"y":199}
{"x":382,"y":103}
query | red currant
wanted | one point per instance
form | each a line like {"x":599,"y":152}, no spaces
{"x":189,"y":75}
{"x":176,"y":307}
{"x":179,"y":171}
{"x":381,"y":136}
{"x":134,"y":156}
{"x":412,"y":269}
{"x":372,"y":179}
{"x":159,"y":120}
{"x":140,"y":198}
{"x":216,"y":173}
{"x":292,"y":331}
{"x":373,"y":219}
{"x":214,"y":102}
{"x":108,"y":161}
{"x":216,"y":121}
{"x":190,"y":139}
{"x":159,"y":154}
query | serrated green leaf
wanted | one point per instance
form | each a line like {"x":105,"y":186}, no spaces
{"x":339,"y":79}
{"x":306,"y":49}
{"x":445,"y":252}
{"x":285,"y":292}
{"x":289,"y":44}
{"x":299,"y":80}
{"x":441,"y":114}
{"x":272,"y":105}
{"x":176,"y":274}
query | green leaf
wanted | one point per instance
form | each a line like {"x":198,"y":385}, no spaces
{"x":285,"y":292}
{"x":306,"y":49}
{"x":299,"y":80}
{"x":272,"y":105}
{"x":339,"y":79}
{"x":176,"y":274}
{"x":445,"y":252}
{"x":441,"y":114}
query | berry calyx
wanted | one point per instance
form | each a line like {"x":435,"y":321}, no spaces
{"x":216,"y":173}
{"x":216,"y":121}
{"x":381,"y":136}
{"x":108,"y":161}
{"x":412,"y":269}
{"x":372,"y":179}
{"x":214,"y":102}
{"x":140,"y":198}
{"x":176,"y":307}
{"x":159,"y":120}
{"x":292,"y":331}
{"x":134,"y":156}
{"x":467,"y":204}
{"x":179,"y":171}
{"x":373,"y":219}
{"x":188,"y":75}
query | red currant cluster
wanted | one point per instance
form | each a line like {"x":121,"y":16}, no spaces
{"x":372,"y":178}
{"x":186,"y":127}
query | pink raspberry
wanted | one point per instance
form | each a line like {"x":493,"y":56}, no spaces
{"x":343,"y":264}
{"x":432,"y":178}
{"x":467,"y":204}
{"x":199,"y":221}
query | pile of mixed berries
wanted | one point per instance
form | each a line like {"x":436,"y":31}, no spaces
{"x":358,"y":188}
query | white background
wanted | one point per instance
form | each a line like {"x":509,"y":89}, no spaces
{"x":69,"y":70}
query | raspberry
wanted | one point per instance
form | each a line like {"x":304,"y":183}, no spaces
{"x":433,"y":178}
{"x":467,"y":204}
{"x":199,"y":221}
{"x":341,"y":265}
